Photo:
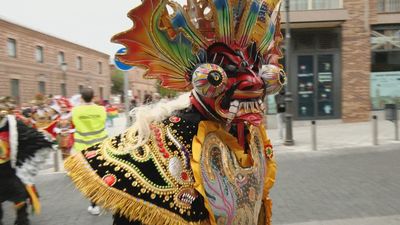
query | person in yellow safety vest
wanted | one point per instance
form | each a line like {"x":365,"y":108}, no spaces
{"x":89,"y":120}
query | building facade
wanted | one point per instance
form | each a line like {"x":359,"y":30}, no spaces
{"x":138,"y":86}
{"x":336,"y":47}
{"x":32,"y":62}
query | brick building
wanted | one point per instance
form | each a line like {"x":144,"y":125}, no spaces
{"x":140,"y":86}
{"x":32,"y":62}
{"x":336,"y":47}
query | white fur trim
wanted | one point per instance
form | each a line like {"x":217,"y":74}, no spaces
{"x":27,"y":171}
{"x":12,"y":124}
{"x":145,"y":115}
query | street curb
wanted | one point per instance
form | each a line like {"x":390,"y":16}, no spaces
{"x":354,"y":149}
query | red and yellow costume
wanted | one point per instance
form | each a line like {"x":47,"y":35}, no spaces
{"x":61,"y":128}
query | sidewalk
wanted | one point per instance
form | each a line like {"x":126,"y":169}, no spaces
{"x":334,"y":134}
{"x":331,"y":134}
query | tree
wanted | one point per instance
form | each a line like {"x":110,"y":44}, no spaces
{"x":165,"y":92}
{"x":117,"y":80}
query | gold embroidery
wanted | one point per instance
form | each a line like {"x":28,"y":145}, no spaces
{"x":117,"y":201}
{"x":171,"y":165}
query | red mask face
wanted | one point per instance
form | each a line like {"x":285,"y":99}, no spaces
{"x":229,"y":84}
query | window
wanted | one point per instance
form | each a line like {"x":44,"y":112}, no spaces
{"x":386,"y":61}
{"x":42,"y":87}
{"x":15,"y":89}
{"x":303,"y":41}
{"x":101,"y":93}
{"x":297,"y":5}
{"x":64,"y":90}
{"x":12,"y":47}
{"x":99,"y":67}
{"x":80,"y":88}
{"x":39,"y":54}
{"x":385,"y":65}
{"x":387,"y":6}
{"x":328,"y":40}
{"x":316,"y":40}
{"x":60,"y":57}
{"x":323,"y":4}
{"x":79,"y":63}
{"x":385,"y":49}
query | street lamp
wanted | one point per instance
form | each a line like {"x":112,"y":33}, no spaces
{"x":288,"y":96}
{"x":57,"y":154}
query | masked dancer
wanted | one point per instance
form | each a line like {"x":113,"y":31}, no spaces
{"x":203,"y":158}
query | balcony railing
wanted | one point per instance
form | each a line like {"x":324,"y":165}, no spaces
{"x":297,"y":5}
{"x":388,"y":6}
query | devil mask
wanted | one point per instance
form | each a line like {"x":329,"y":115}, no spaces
{"x":230,"y":84}
{"x":225,"y":52}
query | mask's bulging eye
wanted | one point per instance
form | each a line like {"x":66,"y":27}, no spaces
{"x":214,"y":77}
{"x":274,"y":78}
{"x":209,"y":80}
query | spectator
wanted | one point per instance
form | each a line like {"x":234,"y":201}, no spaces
{"x":133,"y":103}
{"x":64,"y":130}
{"x":112,"y":112}
{"x":147,"y":99}
{"x":89,"y":120}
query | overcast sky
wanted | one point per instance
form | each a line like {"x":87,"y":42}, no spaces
{"x":86,"y":22}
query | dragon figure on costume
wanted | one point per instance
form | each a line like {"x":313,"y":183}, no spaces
{"x":203,"y":158}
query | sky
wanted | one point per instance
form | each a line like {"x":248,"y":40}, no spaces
{"x":90,"y":23}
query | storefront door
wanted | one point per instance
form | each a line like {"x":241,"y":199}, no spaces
{"x":316,"y":81}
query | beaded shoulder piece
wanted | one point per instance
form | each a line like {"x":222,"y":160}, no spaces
{"x":152,"y":184}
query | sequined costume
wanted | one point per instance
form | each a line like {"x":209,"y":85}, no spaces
{"x":205,"y":157}
{"x":61,"y":128}
{"x":22,"y":150}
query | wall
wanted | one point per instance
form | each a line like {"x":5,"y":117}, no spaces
{"x":29,"y":72}
{"x":356,"y":62}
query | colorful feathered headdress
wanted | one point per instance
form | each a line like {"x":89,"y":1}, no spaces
{"x":165,"y":38}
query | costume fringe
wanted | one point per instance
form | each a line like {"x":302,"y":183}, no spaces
{"x":93,"y":187}
{"x":36,"y":207}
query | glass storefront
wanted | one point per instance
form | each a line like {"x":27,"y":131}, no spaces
{"x":315,"y":78}
{"x":305,"y":86}
{"x":325,"y":85}
{"x":385,"y":65}
{"x":315,"y":75}
{"x":296,"y":5}
{"x":315,"y":86}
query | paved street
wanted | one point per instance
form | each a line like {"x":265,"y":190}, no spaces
{"x":357,"y":186}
